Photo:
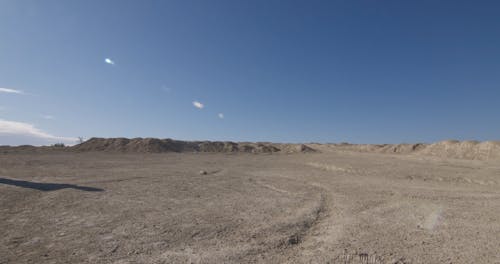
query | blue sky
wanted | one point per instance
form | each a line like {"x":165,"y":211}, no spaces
{"x":285,"y":71}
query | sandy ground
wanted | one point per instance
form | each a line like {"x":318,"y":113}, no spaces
{"x":300,"y":208}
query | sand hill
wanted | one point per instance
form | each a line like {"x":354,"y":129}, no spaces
{"x":472,"y":150}
{"x":375,"y":148}
{"x":486,"y":150}
{"x":154,"y":145}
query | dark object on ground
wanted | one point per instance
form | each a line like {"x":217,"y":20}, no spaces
{"x":46,"y":187}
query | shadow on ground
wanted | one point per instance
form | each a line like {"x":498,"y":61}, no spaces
{"x":44,"y":186}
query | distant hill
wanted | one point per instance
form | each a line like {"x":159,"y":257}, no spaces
{"x":155,"y":145}
{"x":472,"y":150}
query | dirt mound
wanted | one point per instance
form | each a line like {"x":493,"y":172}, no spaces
{"x":297,"y":148}
{"x":208,"y":146}
{"x":144,"y":145}
{"x":258,"y":148}
{"x":31,"y":149}
{"x":472,"y":150}
{"x":155,"y":145}
{"x":402,"y":148}
{"x":380,"y":148}
{"x":464,"y":150}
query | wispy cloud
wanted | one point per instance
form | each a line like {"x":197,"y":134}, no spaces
{"x":14,"y":128}
{"x":221,"y":115}
{"x":166,"y":89}
{"x":198,"y":104}
{"x":48,"y":117}
{"x":109,"y":61}
{"x":8,"y":90}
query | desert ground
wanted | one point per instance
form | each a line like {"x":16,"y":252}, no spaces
{"x":328,"y":206}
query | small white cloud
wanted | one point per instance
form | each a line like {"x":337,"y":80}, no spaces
{"x":8,"y":90}
{"x":198,"y":104}
{"x":109,"y":61}
{"x":30,"y":132}
{"x":221,"y":115}
{"x":48,"y":117}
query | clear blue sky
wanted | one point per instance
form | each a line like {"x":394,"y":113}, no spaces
{"x":286,"y":71}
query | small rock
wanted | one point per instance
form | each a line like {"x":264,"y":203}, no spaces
{"x":202,"y":172}
{"x":294,"y":240}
